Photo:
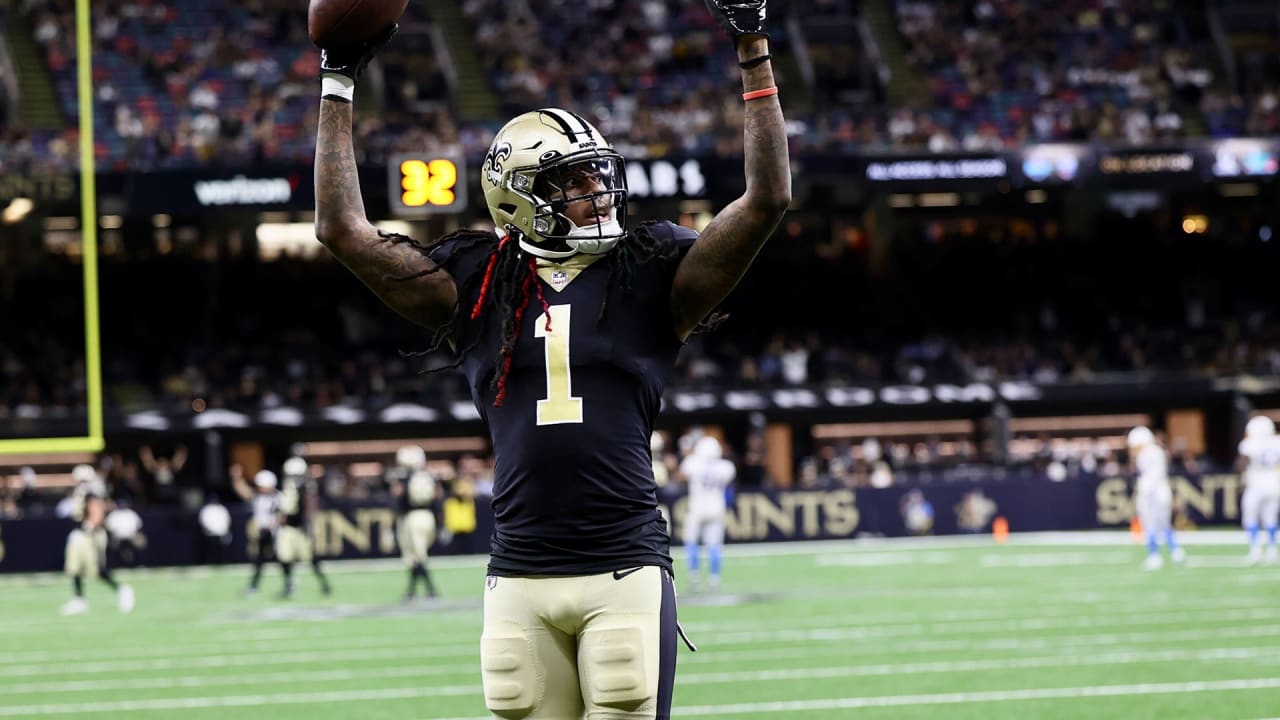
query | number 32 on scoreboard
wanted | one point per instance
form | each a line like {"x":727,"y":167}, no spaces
{"x":428,"y":182}
{"x":423,"y":186}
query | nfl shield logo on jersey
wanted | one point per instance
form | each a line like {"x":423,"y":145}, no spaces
{"x":490,"y":581}
{"x":559,"y":279}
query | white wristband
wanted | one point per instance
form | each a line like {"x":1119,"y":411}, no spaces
{"x":337,"y":87}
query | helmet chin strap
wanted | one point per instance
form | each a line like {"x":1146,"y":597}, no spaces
{"x":595,"y":240}
{"x":541,"y":252}
{"x":588,"y":241}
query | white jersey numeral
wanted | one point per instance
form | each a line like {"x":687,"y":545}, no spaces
{"x":560,"y":406}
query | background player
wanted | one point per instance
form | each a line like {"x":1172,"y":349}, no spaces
{"x":709,"y":476}
{"x":215,"y":530}
{"x":1152,"y":496}
{"x":1260,"y":505}
{"x":297,"y":505}
{"x":124,"y":528}
{"x":567,"y":327}
{"x":416,"y":491}
{"x":86,"y":551}
{"x":265,"y":497}
{"x":657,"y":447}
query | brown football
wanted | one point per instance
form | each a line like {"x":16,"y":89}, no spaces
{"x":343,"y":23}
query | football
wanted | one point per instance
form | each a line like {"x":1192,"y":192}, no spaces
{"x":343,"y":23}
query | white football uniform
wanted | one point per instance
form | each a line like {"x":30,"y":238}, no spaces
{"x":266,"y":511}
{"x":1260,"y":505}
{"x":421,"y":488}
{"x":417,"y":526}
{"x":1153,"y":496}
{"x":708,"y":479}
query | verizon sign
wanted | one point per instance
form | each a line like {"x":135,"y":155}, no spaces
{"x":241,"y":190}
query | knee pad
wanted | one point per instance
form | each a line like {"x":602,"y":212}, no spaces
{"x":616,"y":671}
{"x":508,"y":673}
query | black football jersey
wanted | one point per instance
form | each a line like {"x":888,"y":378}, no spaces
{"x":574,"y":491}
{"x":293,"y":502}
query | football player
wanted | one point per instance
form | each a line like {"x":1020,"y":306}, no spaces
{"x":293,"y":543}
{"x":415,"y":490}
{"x":265,"y":523}
{"x":657,"y":446}
{"x":1260,"y":505}
{"x":1153,"y":497}
{"x":566,"y":325}
{"x":124,"y":528}
{"x":709,"y":477}
{"x":86,"y":551}
{"x":215,"y":530}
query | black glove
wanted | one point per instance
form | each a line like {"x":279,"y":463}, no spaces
{"x":739,"y":17}
{"x":351,"y":61}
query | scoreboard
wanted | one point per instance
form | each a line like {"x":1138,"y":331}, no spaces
{"x":421,"y":185}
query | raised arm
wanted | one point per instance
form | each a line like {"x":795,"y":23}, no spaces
{"x":148,"y":458}
{"x":720,"y":257}
{"x":391,"y":266}
{"x":238,"y":482}
{"x":179,"y":460}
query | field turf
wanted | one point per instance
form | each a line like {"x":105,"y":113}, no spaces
{"x":1044,"y":627}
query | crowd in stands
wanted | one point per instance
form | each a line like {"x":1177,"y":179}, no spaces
{"x":310,"y":373}
{"x":1003,"y":72}
{"x":311,"y":337}
{"x":1045,"y":457}
{"x":657,"y":76}
{"x":179,"y":82}
{"x":147,"y":477}
{"x":143,"y":477}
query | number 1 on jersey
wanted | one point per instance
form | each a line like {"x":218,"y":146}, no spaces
{"x":560,"y":406}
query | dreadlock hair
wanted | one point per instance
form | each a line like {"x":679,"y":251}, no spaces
{"x":508,"y":283}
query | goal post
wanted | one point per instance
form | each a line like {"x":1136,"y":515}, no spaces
{"x":92,"y":440}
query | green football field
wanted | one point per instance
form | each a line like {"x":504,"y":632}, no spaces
{"x":1063,"y":626}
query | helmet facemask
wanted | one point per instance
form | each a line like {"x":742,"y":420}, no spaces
{"x":590,"y":186}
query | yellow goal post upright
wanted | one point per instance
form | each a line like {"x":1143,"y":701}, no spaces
{"x":92,"y":440}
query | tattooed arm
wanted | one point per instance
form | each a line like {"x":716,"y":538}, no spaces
{"x":341,"y":225}
{"x":720,"y":257}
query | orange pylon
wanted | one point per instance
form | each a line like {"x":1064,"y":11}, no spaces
{"x":1135,"y":530}
{"x":1000,"y":529}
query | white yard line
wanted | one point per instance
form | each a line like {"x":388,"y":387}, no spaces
{"x":24,"y":665}
{"x":844,"y":703}
{"x":1054,"y":559}
{"x":1066,"y":617}
{"x":879,"y":558}
{"x":985,"y":696}
{"x":838,"y":636}
{"x":840,"y":633}
{"x":1206,"y":655}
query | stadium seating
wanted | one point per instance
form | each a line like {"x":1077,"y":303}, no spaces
{"x":185,"y":83}
{"x":1004,"y":72}
{"x":920,"y":328}
{"x":175,"y":87}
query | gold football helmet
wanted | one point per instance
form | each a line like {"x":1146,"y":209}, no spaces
{"x":540,"y":163}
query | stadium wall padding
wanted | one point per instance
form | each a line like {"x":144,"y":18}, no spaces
{"x":366,"y":530}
